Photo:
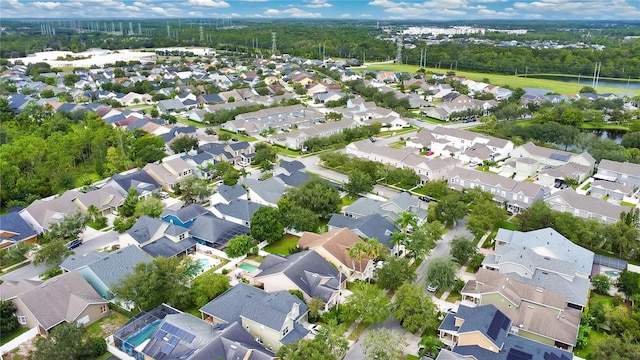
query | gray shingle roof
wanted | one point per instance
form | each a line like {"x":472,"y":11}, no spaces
{"x":547,"y":240}
{"x":371,"y":226}
{"x":307,"y":270}
{"x":269,"y":190}
{"x":296,"y":178}
{"x":14,"y":228}
{"x":233,"y":342}
{"x":292,"y":166}
{"x":186,"y":213}
{"x":214,"y":230}
{"x":231,"y":192}
{"x":115,"y":266}
{"x":268,"y":309}
{"x":144,"y":228}
{"x":166,"y":248}
{"x":239,"y":209}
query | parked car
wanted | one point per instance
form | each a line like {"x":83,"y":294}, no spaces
{"x":424,"y":198}
{"x":313,"y":329}
{"x":74,"y":244}
{"x":432,"y":288}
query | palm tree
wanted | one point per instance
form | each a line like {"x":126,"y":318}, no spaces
{"x":93,"y":212}
{"x":405,"y":219}
{"x":398,"y":239}
{"x":374,"y":248}
{"x":357,"y":252}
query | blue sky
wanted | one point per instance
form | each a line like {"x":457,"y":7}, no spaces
{"x":328,"y":9}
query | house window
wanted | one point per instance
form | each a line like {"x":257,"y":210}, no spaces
{"x":103,"y":309}
{"x":22,"y":320}
{"x":182,"y":236}
{"x":285,"y":331}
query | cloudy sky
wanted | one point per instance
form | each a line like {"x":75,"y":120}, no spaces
{"x":328,"y":9}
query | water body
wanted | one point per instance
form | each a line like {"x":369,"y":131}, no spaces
{"x":588,"y":81}
{"x":614,"y":135}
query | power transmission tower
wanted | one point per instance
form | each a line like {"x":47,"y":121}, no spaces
{"x":274,"y":45}
{"x":399,"y":51}
{"x":201,"y":34}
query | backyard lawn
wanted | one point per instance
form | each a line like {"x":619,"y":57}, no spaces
{"x":283,"y":245}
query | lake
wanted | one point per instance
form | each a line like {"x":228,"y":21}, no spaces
{"x":587,"y":81}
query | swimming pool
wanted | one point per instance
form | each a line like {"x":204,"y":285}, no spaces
{"x":143,"y":334}
{"x":612,"y":274}
{"x":248,"y":267}
{"x":204,"y":264}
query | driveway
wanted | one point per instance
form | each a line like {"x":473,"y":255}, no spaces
{"x":97,"y":241}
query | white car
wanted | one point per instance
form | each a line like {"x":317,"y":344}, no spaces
{"x":432,"y":288}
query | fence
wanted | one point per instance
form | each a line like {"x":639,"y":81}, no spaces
{"x":22,"y":338}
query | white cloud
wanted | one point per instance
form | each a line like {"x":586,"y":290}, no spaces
{"x":48,"y":5}
{"x":13,"y":4}
{"x":292,"y":12}
{"x":318,"y":4}
{"x":345,"y":16}
{"x":208,"y":3}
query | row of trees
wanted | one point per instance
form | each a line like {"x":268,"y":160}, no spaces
{"x":43,"y":153}
{"x":343,"y":138}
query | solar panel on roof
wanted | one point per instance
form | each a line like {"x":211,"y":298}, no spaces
{"x":160,"y":334}
{"x":559,"y":157}
{"x":505,"y":323}
{"x":167,"y":349}
{"x":515,"y":354}
{"x":189,"y":338}
{"x":496,"y":323}
{"x":174,"y":340}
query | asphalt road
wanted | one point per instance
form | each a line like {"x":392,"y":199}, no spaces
{"x":91,"y":243}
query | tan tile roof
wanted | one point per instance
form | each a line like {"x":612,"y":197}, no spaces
{"x":337,"y":243}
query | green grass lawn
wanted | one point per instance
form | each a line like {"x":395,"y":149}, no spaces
{"x":6,"y":337}
{"x":508,"y":225}
{"x":398,"y":144}
{"x":600,"y":126}
{"x":412,"y":357}
{"x":107,"y":325}
{"x":355,"y":334}
{"x":282,"y":150}
{"x":283,"y":245}
{"x":624,"y":203}
{"x":499,"y":79}
{"x":454,"y":296}
{"x":348,"y":200}
{"x":188,"y":121}
{"x":593,"y":339}
{"x":240,"y":137}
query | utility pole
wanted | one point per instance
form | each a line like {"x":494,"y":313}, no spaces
{"x":274,"y":45}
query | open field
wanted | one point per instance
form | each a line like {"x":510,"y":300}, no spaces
{"x":499,"y":79}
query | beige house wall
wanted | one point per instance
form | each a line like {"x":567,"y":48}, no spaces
{"x":476,"y":338}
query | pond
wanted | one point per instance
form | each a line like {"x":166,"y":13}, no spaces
{"x":630,"y":84}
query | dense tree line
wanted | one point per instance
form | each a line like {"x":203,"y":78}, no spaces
{"x":343,"y":138}
{"x":383,"y":99}
{"x":43,"y":152}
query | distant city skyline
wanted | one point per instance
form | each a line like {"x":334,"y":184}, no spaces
{"x":432,"y":10}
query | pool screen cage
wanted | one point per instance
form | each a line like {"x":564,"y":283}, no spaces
{"x":137,"y":323}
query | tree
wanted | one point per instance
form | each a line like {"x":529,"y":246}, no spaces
{"x":146,"y":148}
{"x":68,"y":228}
{"x":359,"y":183}
{"x":357,"y":252}
{"x":239,"y":245}
{"x":333,"y":336}
{"x":450,"y":209}
{"x":441,"y":272}
{"x":159,"y":281}
{"x":423,"y":239}
{"x":462,"y":249}
{"x":266,"y":224}
{"x":151,"y":206}
{"x":297,"y":218}
{"x":315,"y":306}
{"x":208,"y":286}
{"x":601,"y":283}
{"x":394,"y":272}
{"x":306,"y":349}
{"x":226,"y":172}
{"x":406,"y":219}
{"x":537,"y":216}
{"x":629,"y":283}
{"x":631,"y":140}
{"x":66,"y":342}
{"x":368,"y":304}
{"x":485,"y":216}
{"x":193,"y":189}
{"x":587,"y":90}
{"x":384,"y":343}
{"x":184,"y":143}
{"x":316,"y":195}
{"x":128,"y":207}
{"x":52,"y":253}
{"x":8,"y":320}
{"x":414,"y":309}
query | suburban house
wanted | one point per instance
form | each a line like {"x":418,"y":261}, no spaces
{"x":334,"y":247}
{"x":306,"y":271}
{"x":273,"y":319}
{"x":141,"y":181}
{"x":483,"y":333}
{"x":158,"y":238}
{"x":14,"y":230}
{"x":276,"y":118}
{"x":390,"y":209}
{"x":237,"y":211}
{"x":295,"y":139}
{"x":225,"y":193}
{"x":624,"y":173}
{"x":545,"y":157}
{"x":238,"y":153}
{"x":467,"y":142}
{"x":586,"y":207}
{"x":514,"y":195}
{"x":170,"y":106}
{"x":168,"y":173}
{"x":64,"y":298}
{"x":372,"y":226}
{"x":184,"y":216}
{"x":536,"y":313}
{"x":545,"y":259}
{"x":550,"y":176}
{"x":171,"y":334}
{"x":612,"y":190}
{"x":104,"y":270}
{"x":288,"y":168}
{"x":213,"y":232}
{"x":265,"y":192}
